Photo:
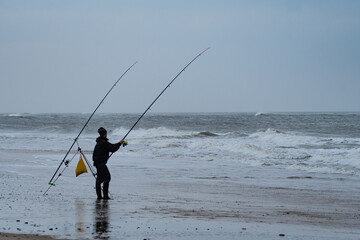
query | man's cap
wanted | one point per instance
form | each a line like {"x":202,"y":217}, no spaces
{"x":102,"y":131}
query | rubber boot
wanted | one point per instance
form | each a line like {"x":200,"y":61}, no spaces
{"x":106,"y":190}
{"x":98,"y":191}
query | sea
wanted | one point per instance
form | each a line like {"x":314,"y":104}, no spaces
{"x":327,"y":142}
{"x":184,"y":176}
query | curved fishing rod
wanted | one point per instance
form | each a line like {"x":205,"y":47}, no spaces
{"x":161,"y":94}
{"x":72,"y":145}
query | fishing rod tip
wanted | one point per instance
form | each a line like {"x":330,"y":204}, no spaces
{"x":205,"y":50}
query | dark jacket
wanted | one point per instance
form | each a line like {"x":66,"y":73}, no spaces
{"x":102,"y":150}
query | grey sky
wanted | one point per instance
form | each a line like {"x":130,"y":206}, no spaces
{"x":63,"y":56}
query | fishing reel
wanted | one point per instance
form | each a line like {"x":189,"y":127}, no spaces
{"x":124,"y":143}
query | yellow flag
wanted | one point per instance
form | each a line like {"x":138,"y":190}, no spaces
{"x":80,"y":168}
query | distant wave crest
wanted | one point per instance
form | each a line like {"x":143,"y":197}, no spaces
{"x":206,"y":134}
{"x":18,"y":115}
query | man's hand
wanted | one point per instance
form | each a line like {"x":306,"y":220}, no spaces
{"x":123,"y":143}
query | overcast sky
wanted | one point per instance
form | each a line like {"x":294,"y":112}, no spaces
{"x":265,"y":56}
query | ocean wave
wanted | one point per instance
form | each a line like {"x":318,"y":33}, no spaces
{"x":326,"y":169}
{"x":224,"y":138}
{"x":283,"y":139}
{"x":259,"y":114}
{"x":18,"y":114}
{"x":162,"y":132}
{"x":149,"y":133}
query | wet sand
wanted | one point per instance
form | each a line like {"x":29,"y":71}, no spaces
{"x":12,"y":236}
{"x":176,"y":199}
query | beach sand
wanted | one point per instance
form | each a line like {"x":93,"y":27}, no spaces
{"x":175,"y":199}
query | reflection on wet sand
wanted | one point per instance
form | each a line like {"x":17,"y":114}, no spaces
{"x":79,"y":225}
{"x":101,"y":219}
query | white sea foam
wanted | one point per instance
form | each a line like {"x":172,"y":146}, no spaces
{"x":274,"y":137}
{"x":270,"y":147}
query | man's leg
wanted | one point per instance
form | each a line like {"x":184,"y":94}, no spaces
{"x":99,"y":180}
{"x":107,"y":178}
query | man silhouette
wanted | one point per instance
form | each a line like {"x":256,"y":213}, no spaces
{"x":100,"y":157}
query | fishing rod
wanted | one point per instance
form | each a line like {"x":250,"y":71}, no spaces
{"x":160,"y":95}
{"x":72,"y":145}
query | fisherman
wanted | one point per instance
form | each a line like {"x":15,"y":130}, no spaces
{"x":100,"y":158}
